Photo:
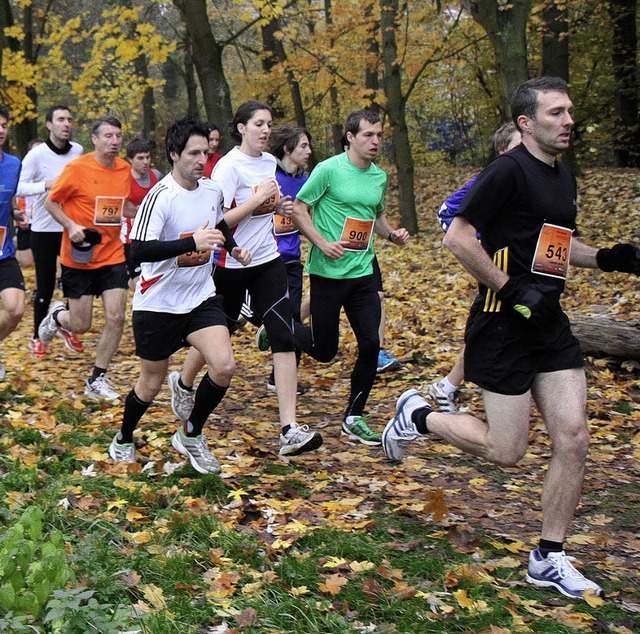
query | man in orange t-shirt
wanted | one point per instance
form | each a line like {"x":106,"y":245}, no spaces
{"x":89,"y":199}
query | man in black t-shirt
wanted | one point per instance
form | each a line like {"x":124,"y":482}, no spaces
{"x":518,"y":341}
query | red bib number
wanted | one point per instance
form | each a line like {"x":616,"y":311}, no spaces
{"x":3,"y":237}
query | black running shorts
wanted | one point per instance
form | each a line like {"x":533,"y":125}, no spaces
{"x":159,"y":335}
{"x":79,"y":282}
{"x":10,"y":274}
{"x":504,"y":353}
{"x":23,"y":239}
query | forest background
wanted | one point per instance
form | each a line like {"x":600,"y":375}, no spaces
{"x":441,"y":73}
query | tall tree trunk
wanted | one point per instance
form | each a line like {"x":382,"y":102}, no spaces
{"x":277,"y":54}
{"x":555,"y":53}
{"x":148,"y":99}
{"x":555,"y":39}
{"x":626,"y":130}
{"x":336,"y":125}
{"x":403,"y":157}
{"x":190,"y":81}
{"x":207,"y":58}
{"x":27,"y":129}
{"x":506,"y":26}
{"x":371,"y":79}
{"x":148,"y":103}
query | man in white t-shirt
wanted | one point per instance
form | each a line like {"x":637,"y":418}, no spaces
{"x":40,"y":167}
{"x":177,"y":228}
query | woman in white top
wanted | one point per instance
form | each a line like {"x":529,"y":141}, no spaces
{"x":246,"y":176}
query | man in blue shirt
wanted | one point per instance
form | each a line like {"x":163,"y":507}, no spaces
{"x":11,"y":280}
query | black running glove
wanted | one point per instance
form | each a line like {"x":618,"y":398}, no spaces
{"x":621,"y":257}
{"x":528,"y":301}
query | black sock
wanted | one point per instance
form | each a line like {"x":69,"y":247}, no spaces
{"x":55,"y":316}
{"x":208,"y":396}
{"x":134,"y":409}
{"x":419,"y":418}
{"x":545,"y":547}
{"x":285,"y":430}
{"x":182,"y":386}
{"x":96,"y":373}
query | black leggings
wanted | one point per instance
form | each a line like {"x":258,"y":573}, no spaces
{"x":359,"y":298}
{"x":267,"y":285}
{"x":45,"y":246}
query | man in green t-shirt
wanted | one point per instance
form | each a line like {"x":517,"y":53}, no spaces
{"x":346,"y":195}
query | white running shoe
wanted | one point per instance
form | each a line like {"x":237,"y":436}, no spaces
{"x":197,"y":450}
{"x":401,"y":430}
{"x":3,"y":371}
{"x":446,"y":403}
{"x":299,"y":440}
{"x":557,"y":571}
{"x":48,"y":328}
{"x":100,"y":388}
{"x":181,"y":400}
{"x":125,"y":452}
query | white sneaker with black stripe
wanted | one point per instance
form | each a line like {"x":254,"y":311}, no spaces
{"x":181,"y":400}
{"x":557,"y":571}
{"x":299,"y":439}
{"x":99,"y":388}
{"x":197,"y":450}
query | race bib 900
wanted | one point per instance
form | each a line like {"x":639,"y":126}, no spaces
{"x":357,"y":233}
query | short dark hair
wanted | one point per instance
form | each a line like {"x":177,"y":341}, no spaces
{"x":105,"y":120}
{"x":212,"y":127}
{"x":4,"y":112}
{"x":179,"y":133}
{"x":48,"y":115}
{"x":137,"y":146}
{"x":286,"y":138}
{"x":352,"y":124}
{"x":524,"y":100}
{"x":244,"y":112}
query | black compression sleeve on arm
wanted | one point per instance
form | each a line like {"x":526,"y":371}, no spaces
{"x":229,"y":241}
{"x":156,"y":251}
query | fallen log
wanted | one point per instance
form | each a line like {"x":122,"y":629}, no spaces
{"x":606,"y":336}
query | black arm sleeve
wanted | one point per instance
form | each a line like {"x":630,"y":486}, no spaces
{"x":156,"y":251}
{"x":229,"y":241}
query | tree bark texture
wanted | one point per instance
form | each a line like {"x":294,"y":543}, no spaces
{"x":603,"y":335}
{"x":207,"y":59}
{"x":626,"y":123}
{"x":402,"y":155}
{"x":276,"y":54}
{"x":336,"y":126}
{"x":506,"y":26}
{"x":555,"y":54}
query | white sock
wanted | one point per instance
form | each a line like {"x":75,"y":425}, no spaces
{"x":447,"y":387}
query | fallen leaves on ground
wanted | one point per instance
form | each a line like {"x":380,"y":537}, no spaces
{"x":427,"y":297}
